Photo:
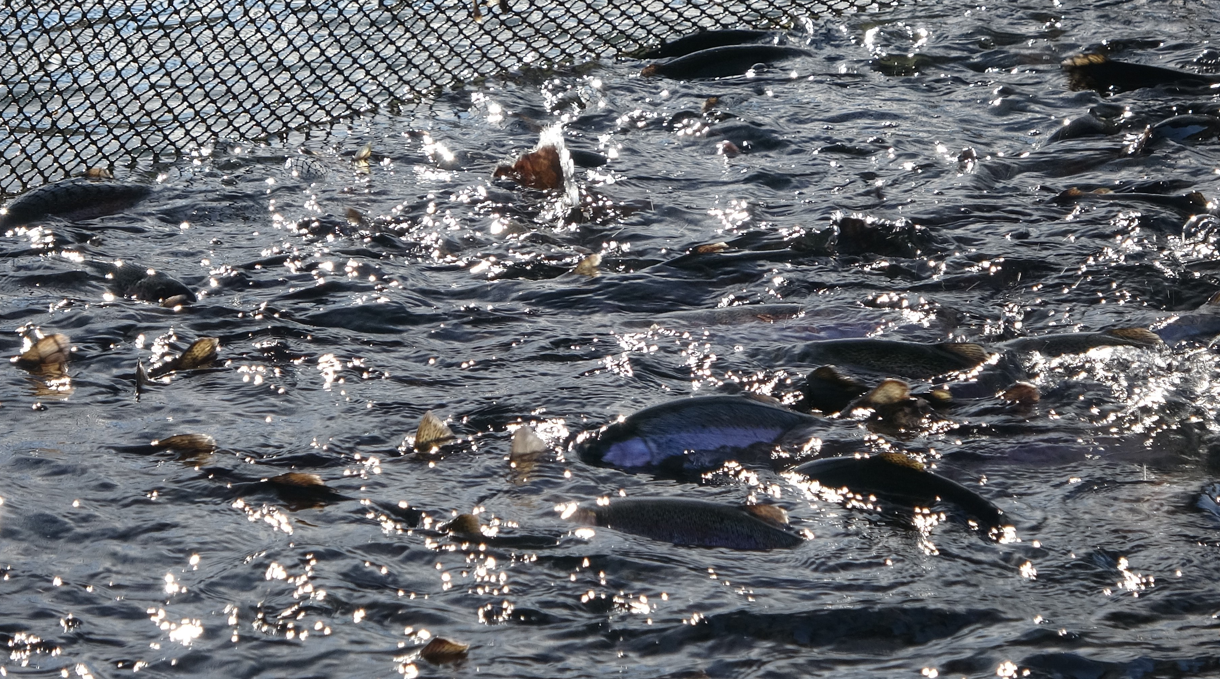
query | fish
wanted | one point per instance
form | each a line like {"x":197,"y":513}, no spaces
{"x":1087,"y":125}
{"x":1209,"y":499}
{"x":898,"y":478}
{"x":125,"y":279}
{"x":1080,"y":342}
{"x":891,"y":357}
{"x":73,"y":199}
{"x":1189,"y":204}
{"x":1187,"y":128}
{"x":693,"y":434}
{"x":703,"y":40}
{"x":1094,"y":71}
{"x":689,"y":522}
{"x":722,"y":62}
{"x":830,"y":391}
{"x":1203,"y":322}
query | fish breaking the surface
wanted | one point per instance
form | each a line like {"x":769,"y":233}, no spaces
{"x":691,"y":522}
{"x":694,"y":434}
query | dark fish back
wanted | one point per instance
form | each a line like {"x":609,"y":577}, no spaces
{"x":76,"y":198}
{"x":685,"y":521}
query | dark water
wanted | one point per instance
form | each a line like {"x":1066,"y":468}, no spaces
{"x":454,"y":293}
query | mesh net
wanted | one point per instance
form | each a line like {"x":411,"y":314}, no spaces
{"x":87,"y":83}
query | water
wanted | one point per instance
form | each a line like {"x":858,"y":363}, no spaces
{"x":454,"y":292}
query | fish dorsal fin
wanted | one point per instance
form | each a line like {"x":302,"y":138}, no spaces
{"x":1137,"y":335}
{"x":1021,"y":393}
{"x":1214,"y":300}
{"x":828,"y":373}
{"x":968,"y":351}
{"x":900,"y":460}
{"x":525,"y":443}
{"x":298,"y":480}
{"x":431,"y":431}
{"x":1086,"y":59}
{"x":441,"y":650}
{"x":464,"y":524}
{"x":888,"y":393}
{"x":187,"y":443}
{"x":772,"y":514}
{"x":1197,"y":199}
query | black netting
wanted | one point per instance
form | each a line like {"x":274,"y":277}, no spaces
{"x":88,"y":83}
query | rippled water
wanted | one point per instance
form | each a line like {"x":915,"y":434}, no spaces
{"x":448,"y":290}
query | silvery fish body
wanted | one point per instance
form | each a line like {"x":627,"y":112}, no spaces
{"x":693,"y":434}
{"x":1080,"y":342}
{"x":889,"y":357}
{"x":76,"y":198}
{"x":686,"y":521}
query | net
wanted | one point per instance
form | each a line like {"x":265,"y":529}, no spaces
{"x":104,"y":83}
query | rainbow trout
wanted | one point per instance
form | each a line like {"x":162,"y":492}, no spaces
{"x":889,"y":357}
{"x":897,"y":478}
{"x":721,"y":62}
{"x":694,"y":434}
{"x":1080,"y":342}
{"x":1098,"y":72}
{"x":72,"y":199}
{"x":704,"y":40}
{"x":685,"y":521}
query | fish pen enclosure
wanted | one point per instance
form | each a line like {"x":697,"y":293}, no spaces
{"x":89,"y":83}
